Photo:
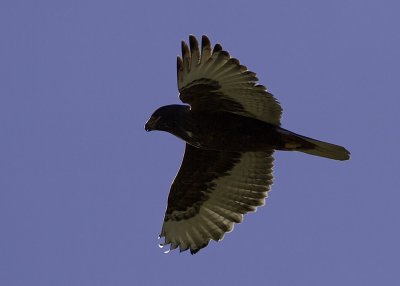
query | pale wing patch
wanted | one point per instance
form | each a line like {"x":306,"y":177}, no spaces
{"x":242,"y":190}
{"x":224,"y":78}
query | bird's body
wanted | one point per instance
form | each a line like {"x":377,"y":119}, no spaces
{"x":203,"y":129}
{"x":241,"y":133}
{"x":231,"y":129}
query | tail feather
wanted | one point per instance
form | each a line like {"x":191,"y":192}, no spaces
{"x":327,"y":150}
{"x":296,"y":142}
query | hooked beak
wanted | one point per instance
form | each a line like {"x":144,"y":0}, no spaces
{"x":151,"y":124}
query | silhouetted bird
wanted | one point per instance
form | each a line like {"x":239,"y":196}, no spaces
{"x":231,"y":128}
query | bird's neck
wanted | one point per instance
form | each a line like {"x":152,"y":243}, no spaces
{"x":186,"y":128}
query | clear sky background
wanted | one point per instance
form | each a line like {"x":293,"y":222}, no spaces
{"x":83,"y":188}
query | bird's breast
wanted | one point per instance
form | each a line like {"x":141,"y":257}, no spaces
{"x":230,"y":132}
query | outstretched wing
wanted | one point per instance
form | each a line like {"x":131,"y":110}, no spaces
{"x":211,"y":80}
{"x":211,"y":192}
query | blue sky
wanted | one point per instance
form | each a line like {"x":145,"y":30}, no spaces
{"x":83,"y":188}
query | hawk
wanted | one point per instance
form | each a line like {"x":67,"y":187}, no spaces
{"x":231,"y":126}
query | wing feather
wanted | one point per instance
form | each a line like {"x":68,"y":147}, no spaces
{"x":194,"y":50}
{"x":205,"y":49}
{"x":208,"y":77}
{"x":211,"y":192}
{"x":185,"y":57}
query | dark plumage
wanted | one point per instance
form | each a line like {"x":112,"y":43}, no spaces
{"x":231,"y":130}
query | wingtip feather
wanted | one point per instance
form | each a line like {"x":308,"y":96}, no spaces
{"x":217,"y":48}
{"x":194,"y":50}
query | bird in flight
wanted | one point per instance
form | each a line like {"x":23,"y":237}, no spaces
{"x":231,"y":126}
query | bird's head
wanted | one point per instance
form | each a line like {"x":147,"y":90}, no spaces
{"x":167,"y":118}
